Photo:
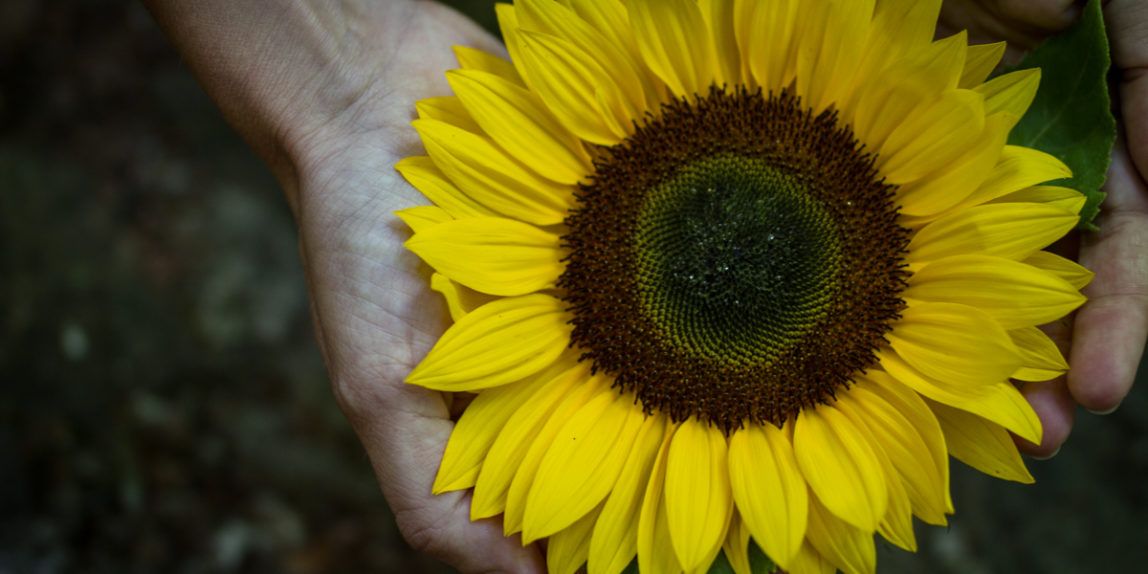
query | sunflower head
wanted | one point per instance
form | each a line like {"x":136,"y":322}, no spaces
{"x":726,"y":270}
{"x":752,"y":244}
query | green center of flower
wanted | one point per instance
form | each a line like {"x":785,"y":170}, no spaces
{"x":736,"y":259}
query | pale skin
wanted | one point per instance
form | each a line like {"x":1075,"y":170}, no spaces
{"x":324,"y":91}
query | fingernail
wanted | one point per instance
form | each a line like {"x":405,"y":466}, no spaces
{"x":1107,"y":412}
{"x":1054,"y":453}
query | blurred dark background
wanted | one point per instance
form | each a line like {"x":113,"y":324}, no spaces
{"x":163,"y":407}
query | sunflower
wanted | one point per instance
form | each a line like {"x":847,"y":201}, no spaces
{"x":734,"y":270}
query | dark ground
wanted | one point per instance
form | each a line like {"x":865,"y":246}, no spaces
{"x":163,"y":407}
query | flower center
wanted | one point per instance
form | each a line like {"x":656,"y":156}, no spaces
{"x":735,"y":259}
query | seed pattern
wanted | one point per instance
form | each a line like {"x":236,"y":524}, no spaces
{"x":736,"y":259}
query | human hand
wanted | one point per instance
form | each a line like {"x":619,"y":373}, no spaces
{"x":374,"y":316}
{"x":1105,"y":339}
{"x":324,"y":91}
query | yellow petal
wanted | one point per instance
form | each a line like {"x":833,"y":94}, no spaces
{"x":736,"y":546}
{"x":1000,"y":403}
{"x":574,"y":87}
{"x":908,"y":433}
{"x":459,"y":300}
{"x":447,"y":109}
{"x":498,"y":343}
{"x":475,"y":59}
{"x":612,"y":20}
{"x":1053,"y":196}
{"x":981,"y":60}
{"x":582,"y":464}
{"x":719,"y":16}
{"x":765,"y":34}
{"x":554,"y":19}
{"x":1042,"y":359}
{"x":981,"y":444}
{"x":519,"y":122}
{"x":615,"y":539}
{"x":840,"y":466}
{"x":1076,"y":275}
{"x":947,"y":57}
{"x":953,"y":184}
{"x":845,"y":546}
{"x":523,"y":430}
{"x":1010,"y":93}
{"x":675,"y":43}
{"x":933,"y":137}
{"x":900,"y":27}
{"x":957,"y":344}
{"x":874,"y":423}
{"x":1018,"y":168}
{"x":423,"y":217}
{"x":540,"y":443}
{"x":830,"y":50}
{"x":911,"y":23}
{"x":508,"y":27}
{"x":907,"y":87}
{"x":810,"y":561}
{"x":769,"y":490}
{"x":897,"y":525}
{"x":492,"y":255}
{"x":1010,"y":230}
{"x":698,"y":499}
{"x":566,"y":551}
{"x":654,"y":542}
{"x":426,"y":177}
{"x":475,"y":432}
{"x":1015,"y":295}
{"x":491,"y":177}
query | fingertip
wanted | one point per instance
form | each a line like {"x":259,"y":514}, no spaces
{"x":1108,"y":411}
{"x":1057,"y":411}
{"x":1104,"y":360}
{"x":1102,"y":393}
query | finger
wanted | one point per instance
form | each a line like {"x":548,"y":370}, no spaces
{"x":1022,"y":23}
{"x":1111,"y":328}
{"x":405,"y":447}
{"x":1057,"y":411}
{"x":1127,"y":22}
{"x":1045,"y":16}
{"x":1051,"y":400}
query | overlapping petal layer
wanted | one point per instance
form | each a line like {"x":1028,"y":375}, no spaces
{"x":563,"y":454}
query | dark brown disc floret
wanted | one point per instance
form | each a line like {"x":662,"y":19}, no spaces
{"x":736,"y":259}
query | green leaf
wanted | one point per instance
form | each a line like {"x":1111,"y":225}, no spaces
{"x":632,"y":568}
{"x":759,"y":563}
{"x":1071,"y":117}
{"x":721,"y":565}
